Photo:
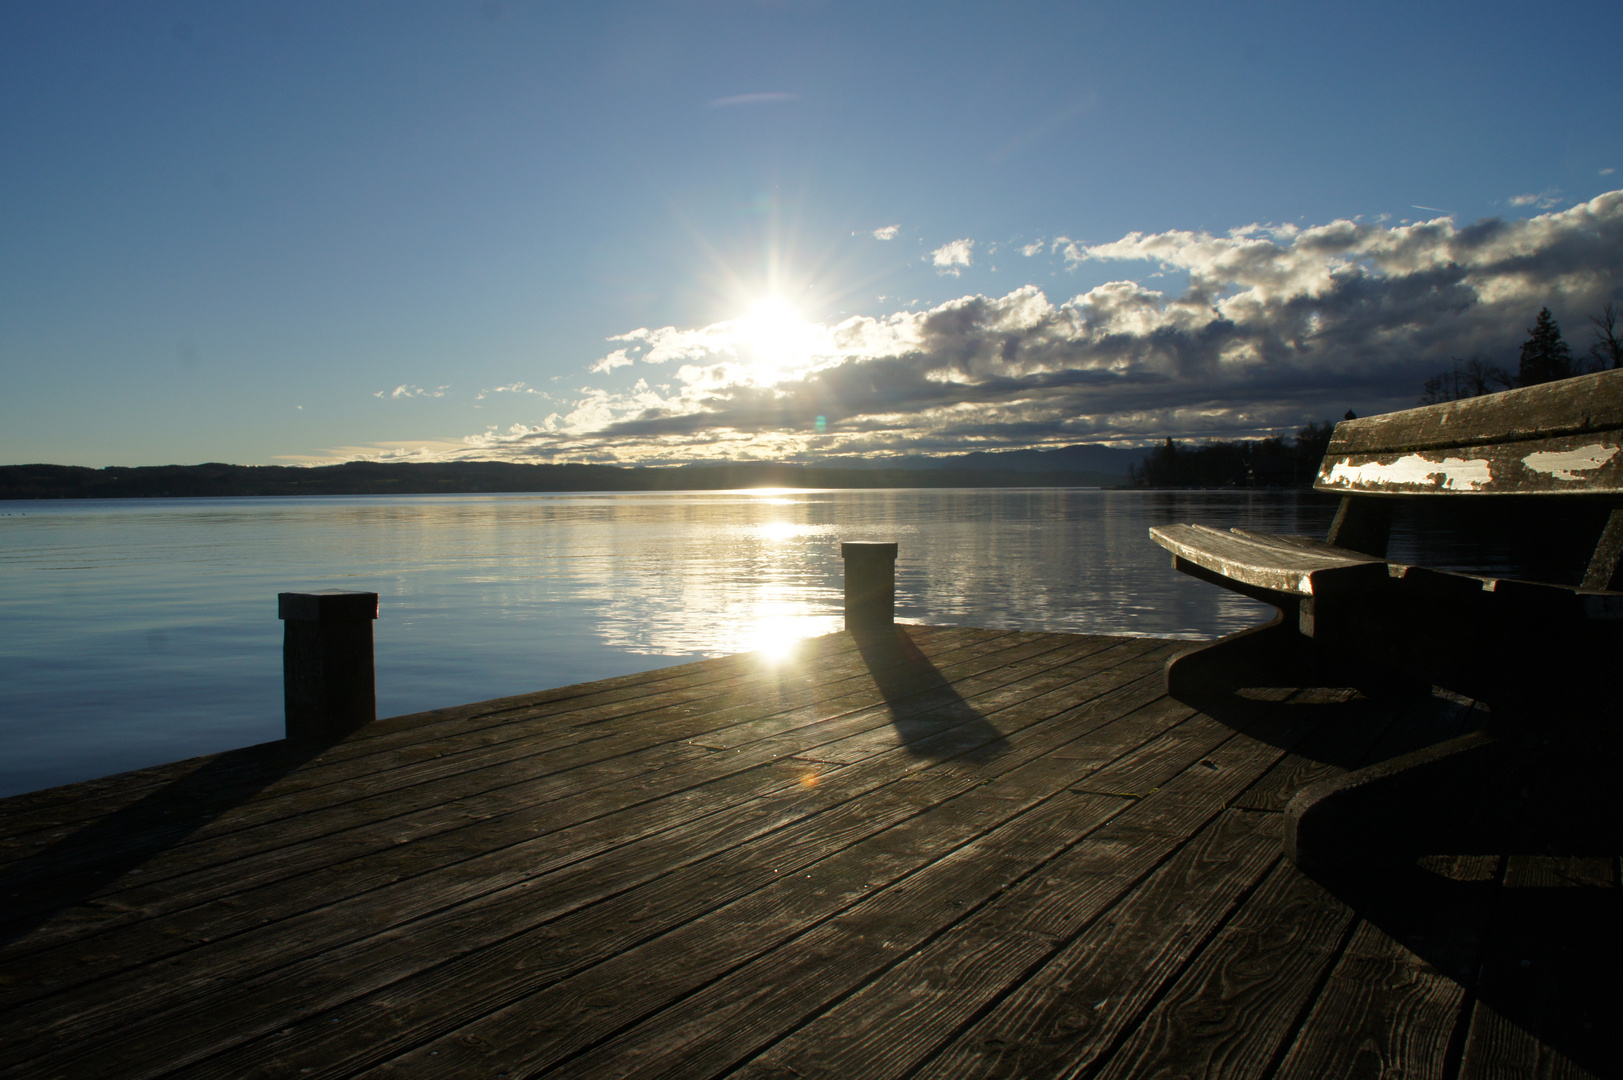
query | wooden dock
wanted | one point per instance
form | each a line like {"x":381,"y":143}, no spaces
{"x":969,"y":853}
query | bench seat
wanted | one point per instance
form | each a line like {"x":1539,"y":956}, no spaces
{"x":1282,"y":564}
{"x":1542,"y":656}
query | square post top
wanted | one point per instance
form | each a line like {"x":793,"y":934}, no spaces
{"x":868,"y":551}
{"x":327,"y":605}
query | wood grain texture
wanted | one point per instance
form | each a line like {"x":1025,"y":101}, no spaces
{"x":1082,"y":998}
{"x":969,"y":853}
{"x":496,"y":856}
{"x":1293,"y":566}
{"x":1232,"y":1010}
{"x":1393,"y":1000}
{"x":1587,"y":403}
{"x":1585,"y":464}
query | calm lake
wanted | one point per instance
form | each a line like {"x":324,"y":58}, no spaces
{"x":143,"y":631}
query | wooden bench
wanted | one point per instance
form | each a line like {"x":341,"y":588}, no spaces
{"x":1544,"y":656}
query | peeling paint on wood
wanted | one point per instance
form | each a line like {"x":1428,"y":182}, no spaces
{"x":1568,"y":464}
{"x":1414,"y":470}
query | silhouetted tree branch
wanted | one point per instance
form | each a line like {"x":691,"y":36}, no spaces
{"x":1470,"y":378}
{"x":1607,"y":350}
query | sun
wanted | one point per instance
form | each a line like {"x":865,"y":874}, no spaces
{"x":778,"y":339}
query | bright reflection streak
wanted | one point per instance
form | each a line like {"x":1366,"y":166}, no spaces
{"x":779,"y":531}
{"x":773,"y":496}
{"x":777,"y":637}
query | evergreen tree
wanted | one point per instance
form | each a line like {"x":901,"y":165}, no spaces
{"x":1545,"y":357}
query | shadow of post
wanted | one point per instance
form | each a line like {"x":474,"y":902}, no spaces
{"x":931,"y":717}
{"x":71,"y":870}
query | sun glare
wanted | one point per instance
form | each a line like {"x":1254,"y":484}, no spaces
{"x":778,"y":338}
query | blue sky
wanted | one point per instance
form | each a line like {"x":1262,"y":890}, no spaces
{"x":291,"y":232}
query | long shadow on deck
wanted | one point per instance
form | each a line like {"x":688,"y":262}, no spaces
{"x":931,"y":717}
{"x":70,"y":870}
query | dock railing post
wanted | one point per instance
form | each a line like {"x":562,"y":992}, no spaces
{"x":870,"y":586}
{"x":328,"y":682}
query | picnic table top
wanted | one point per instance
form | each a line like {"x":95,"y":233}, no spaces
{"x":956,"y":853}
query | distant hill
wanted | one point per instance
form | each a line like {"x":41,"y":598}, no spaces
{"x":215,"y":479}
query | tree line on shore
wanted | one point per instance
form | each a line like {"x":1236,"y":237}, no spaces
{"x":1277,"y":461}
{"x":217,"y":479}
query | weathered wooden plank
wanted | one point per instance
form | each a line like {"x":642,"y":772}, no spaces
{"x":1586,"y":464}
{"x":185,"y":923}
{"x":821,"y":659}
{"x":1587,"y":403}
{"x":411,"y":949}
{"x":896,"y":1020}
{"x":710,"y":1030}
{"x":1097,"y":981}
{"x":886,"y":1027}
{"x":266,"y":816}
{"x":1254,"y":560}
{"x":765,"y":890}
{"x":89,"y":799}
{"x":1548,"y":1001}
{"x":941,"y":897}
{"x":1229,"y":1012}
{"x":509,"y":1032}
{"x":1393,"y":1000}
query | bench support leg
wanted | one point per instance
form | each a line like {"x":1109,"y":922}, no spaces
{"x":1483,"y":793}
{"x":1275,"y":654}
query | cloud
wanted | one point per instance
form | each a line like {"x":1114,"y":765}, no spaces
{"x":950,"y":258}
{"x":1545,"y":200}
{"x":406,"y":390}
{"x":1278,"y":325}
{"x":1033,"y":248}
{"x":768,"y":98}
{"x":887,"y":233}
{"x":514,"y":388}
{"x":1608,"y":171}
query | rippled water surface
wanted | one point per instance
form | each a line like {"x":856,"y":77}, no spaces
{"x":142,"y":631}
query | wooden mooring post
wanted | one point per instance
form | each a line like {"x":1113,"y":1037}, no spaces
{"x":327,"y":676}
{"x":870,"y":586}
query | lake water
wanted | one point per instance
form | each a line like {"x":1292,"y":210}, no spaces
{"x":135,"y":632}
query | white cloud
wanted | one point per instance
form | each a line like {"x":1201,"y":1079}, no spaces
{"x":1544,"y":200}
{"x":887,"y":233}
{"x":950,"y":258}
{"x":617,"y":358}
{"x":1033,"y":248}
{"x":407,"y":390}
{"x":513,"y":388}
{"x":1608,"y":171}
{"x":1278,"y":324}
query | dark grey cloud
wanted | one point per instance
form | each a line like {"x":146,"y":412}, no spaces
{"x":1277,"y":326}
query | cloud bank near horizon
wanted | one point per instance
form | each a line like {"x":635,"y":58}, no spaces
{"x":1278,"y":325}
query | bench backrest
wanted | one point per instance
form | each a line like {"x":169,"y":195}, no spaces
{"x":1558,"y":438}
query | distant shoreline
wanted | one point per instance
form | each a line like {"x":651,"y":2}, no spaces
{"x":215,"y":480}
